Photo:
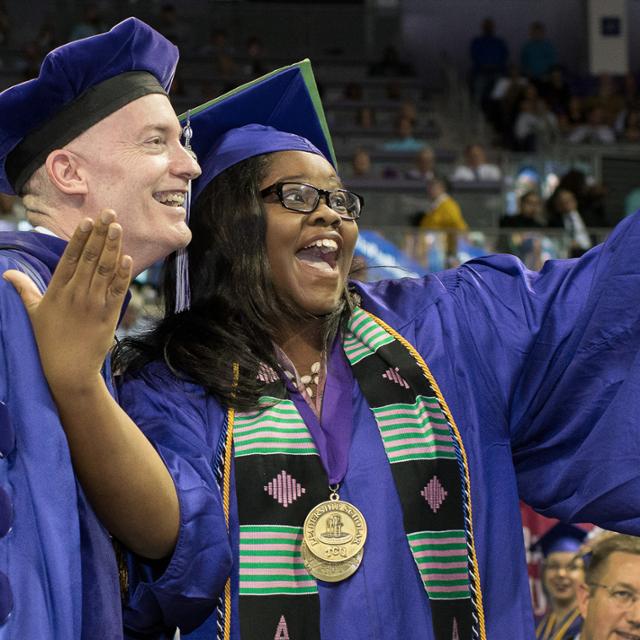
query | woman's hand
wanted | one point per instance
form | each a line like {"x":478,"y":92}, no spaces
{"x":74,"y":322}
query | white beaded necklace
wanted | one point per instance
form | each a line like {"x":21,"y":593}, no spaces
{"x":308,"y":381}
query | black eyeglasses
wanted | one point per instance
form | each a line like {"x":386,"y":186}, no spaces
{"x":305,"y":198}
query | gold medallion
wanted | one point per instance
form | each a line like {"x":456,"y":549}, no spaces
{"x":335,"y":531}
{"x":330,"y":571}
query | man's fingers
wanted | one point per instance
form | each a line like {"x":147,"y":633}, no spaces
{"x":69,"y":261}
{"x":120,"y":283}
{"x":90,"y":256}
{"x":26,"y":288}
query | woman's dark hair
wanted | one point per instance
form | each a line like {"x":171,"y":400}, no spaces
{"x":235,"y":310}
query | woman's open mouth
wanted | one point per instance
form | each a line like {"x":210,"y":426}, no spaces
{"x":321,"y":254}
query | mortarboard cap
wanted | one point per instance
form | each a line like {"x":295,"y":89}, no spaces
{"x":79,"y":84}
{"x":561,"y":537}
{"x":280,"y":111}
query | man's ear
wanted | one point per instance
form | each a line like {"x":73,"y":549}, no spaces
{"x":583,"y":593}
{"x":66,"y":172}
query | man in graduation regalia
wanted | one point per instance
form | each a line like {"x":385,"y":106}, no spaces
{"x":95,"y":129}
{"x":609,"y":597}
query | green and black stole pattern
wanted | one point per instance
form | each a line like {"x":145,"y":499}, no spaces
{"x":279,"y":479}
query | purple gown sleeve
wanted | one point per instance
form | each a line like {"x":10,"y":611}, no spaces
{"x":184,"y":428}
{"x":561,"y":351}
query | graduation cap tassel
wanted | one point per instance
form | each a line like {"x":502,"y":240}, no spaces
{"x":183,"y":290}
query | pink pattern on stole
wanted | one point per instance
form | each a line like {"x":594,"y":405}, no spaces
{"x":434,"y":493}
{"x":285,"y":489}
{"x":393,"y":375}
{"x":455,"y":635}
{"x":282,"y":632}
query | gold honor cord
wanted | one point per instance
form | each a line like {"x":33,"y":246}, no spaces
{"x":545,"y":630}
{"x":565,"y":626}
{"x":226,"y":489}
{"x":425,"y":369}
{"x":543,"y":625}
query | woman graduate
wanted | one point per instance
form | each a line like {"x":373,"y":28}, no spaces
{"x":368,"y":443}
{"x":371,"y":440}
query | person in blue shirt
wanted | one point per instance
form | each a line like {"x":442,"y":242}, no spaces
{"x":489,"y":56}
{"x":538,"y":54}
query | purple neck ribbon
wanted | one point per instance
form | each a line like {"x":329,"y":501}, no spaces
{"x":333,"y":431}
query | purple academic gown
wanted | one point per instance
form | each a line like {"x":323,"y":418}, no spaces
{"x":58,"y":574}
{"x":542,"y":374}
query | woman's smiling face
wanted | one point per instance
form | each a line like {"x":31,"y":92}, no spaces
{"x":309,"y":253}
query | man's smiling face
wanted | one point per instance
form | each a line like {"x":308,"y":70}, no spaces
{"x":611,"y":606}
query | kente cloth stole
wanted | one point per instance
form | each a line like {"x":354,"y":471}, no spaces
{"x":279,"y":479}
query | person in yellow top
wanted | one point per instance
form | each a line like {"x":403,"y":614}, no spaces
{"x":444,"y":213}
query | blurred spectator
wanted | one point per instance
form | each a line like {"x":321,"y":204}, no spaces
{"x":30,"y":59}
{"x":538,"y":55}
{"x":476,"y":167}
{"x":425,"y":162}
{"x":361,"y":164}
{"x":393,"y":90}
{"x":630,"y":87}
{"x":620,"y":123}
{"x":573,"y":118}
{"x":563,"y":572}
{"x":90,"y":24}
{"x":255,"y":65}
{"x":608,"y":98}
{"x":5,"y":24}
{"x":409,"y":110}
{"x":513,"y":81}
{"x":565,"y":214}
{"x":405,"y":140}
{"x":46,"y":38}
{"x":530,"y":213}
{"x":353,"y":91}
{"x":489,"y":55}
{"x":178,"y":87}
{"x":365,"y":118}
{"x":132,"y":314}
{"x":535,"y":125}
{"x":556,"y":91}
{"x":503,"y":102}
{"x":169,"y":24}
{"x":443,"y":213}
{"x":631,"y":127}
{"x":589,"y":194}
{"x":609,"y":598}
{"x":391,"y":65}
{"x":142,"y":312}
{"x":222,"y":55}
{"x":217,"y":44}
{"x":594,"y":131}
